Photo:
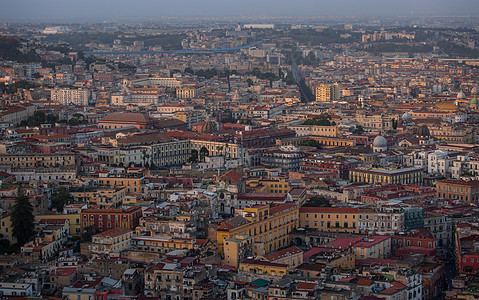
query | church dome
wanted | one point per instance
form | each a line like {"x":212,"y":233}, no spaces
{"x":236,"y":97}
{"x":406,"y":116}
{"x":423,"y":132}
{"x":461,"y":95}
{"x":380,"y":142}
{"x":475,"y":90}
{"x":474,"y":101}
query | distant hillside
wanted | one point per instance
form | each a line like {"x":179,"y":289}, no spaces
{"x":9,"y":51}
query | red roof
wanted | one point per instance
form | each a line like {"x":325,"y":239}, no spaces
{"x":263,"y":196}
{"x":282,"y":253}
{"x":344,"y":210}
{"x":308,"y":286}
{"x":262,"y":263}
{"x":233,"y":175}
{"x":395,"y":287}
{"x":315,"y":250}
{"x":114,"y":232}
{"x":371,"y":241}
{"x":280,"y":207}
{"x":63,"y":271}
{"x":472,"y":183}
{"x":343,"y":243}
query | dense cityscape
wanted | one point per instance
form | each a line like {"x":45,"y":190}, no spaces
{"x":257,"y":158}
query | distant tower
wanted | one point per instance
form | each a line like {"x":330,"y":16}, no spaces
{"x":361,"y":100}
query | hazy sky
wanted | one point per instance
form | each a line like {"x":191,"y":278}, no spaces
{"x":76,"y":10}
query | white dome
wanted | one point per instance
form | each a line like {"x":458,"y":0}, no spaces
{"x":380,"y":142}
{"x":236,"y":96}
{"x":406,"y":116}
{"x":475,"y":90}
{"x":461,"y":95}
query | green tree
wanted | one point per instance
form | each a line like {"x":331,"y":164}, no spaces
{"x":62,"y":197}
{"x":145,"y":157}
{"x":322,"y":120}
{"x":73,"y":122}
{"x":22,"y":220}
{"x":204,"y":153}
{"x":194,"y":156}
{"x":395,"y":124}
{"x":312,"y":143}
{"x":317,"y":202}
{"x":359,"y":129}
{"x":189,"y":70}
{"x":88,"y":233}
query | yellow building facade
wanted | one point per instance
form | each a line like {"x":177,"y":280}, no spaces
{"x":291,"y":256}
{"x":237,"y":249}
{"x":275,"y":186}
{"x":394,"y":176}
{"x":133,"y":185}
{"x":329,"y":219}
{"x":6,"y":229}
{"x":105,"y":197}
{"x":263,"y":267}
{"x":74,"y":221}
{"x":47,"y":160}
{"x":269,"y":224}
{"x":375,"y":246}
{"x":458,"y":189}
{"x":331,"y":142}
{"x":326,"y":93}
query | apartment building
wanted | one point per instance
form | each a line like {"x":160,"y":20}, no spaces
{"x":133,"y":179}
{"x":458,"y":190}
{"x":374,"y":246}
{"x":80,"y":97}
{"x":73,"y":220}
{"x":328,"y":92}
{"x":173,"y":280}
{"x":14,"y":115}
{"x":392,"y":176}
{"x":15,"y":289}
{"x":111,"y":241}
{"x":35,"y":160}
{"x":103,"y":197}
{"x":185,"y":92}
{"x":329,"y":219}
{"x":269,"y":224}
{"x":256,"y":266}
{"x":237,"y":248}
{"x":314,"y":130}
{"x":106,"y":219}
{"x":157,"y":81}
{"x":375,"y":122}
{"x":339,"y":167}
{"x":381,"y":221}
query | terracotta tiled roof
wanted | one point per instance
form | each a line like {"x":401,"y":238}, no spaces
{"x":262,"y":263}
{"x":280,"y":207}
{"x":308,"y":286}
{"x":282,"y":253}
{"x":395,"y":287}
{"x":114,"y":232}
{"x":232,"y":174}
{"x":126,"y":117}
{"x":233,"y":223}
{"x":344,"y":210}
